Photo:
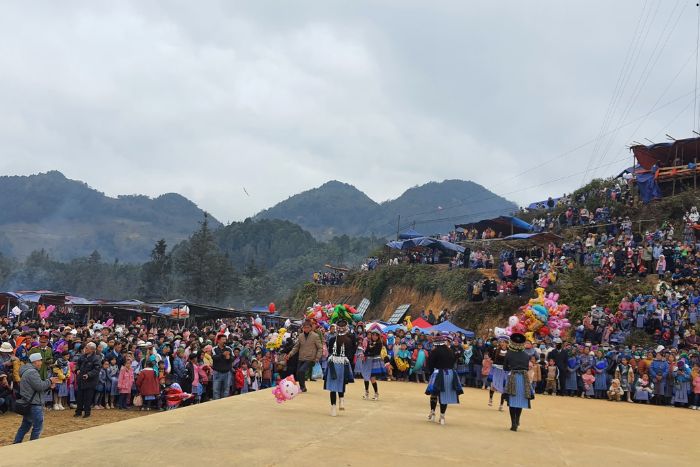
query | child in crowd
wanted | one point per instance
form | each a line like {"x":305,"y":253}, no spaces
{"x":124,"y":383}
{"x":588,"y":382}
{"x":148,"y":385}
{"x":695,"y":375}
{"x":267,"y":371}
{"x":615,"y":392}
{"x":113,"y":375}
{"x":486,"y":365}
{"x":72,"y":385}
{"x":533,"y":373}
{"x":256,"y":376}
{"x":61,"y":371}
{"x":643,"y":390}
{"x":419,"y":360}
{"x":552,"y":378}
{"x":103,"y":387}
{"x":402,"y":360}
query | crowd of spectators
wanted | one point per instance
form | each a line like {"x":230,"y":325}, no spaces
{"x":329,"y":278}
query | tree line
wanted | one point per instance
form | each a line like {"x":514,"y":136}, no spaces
{"x":241,"y":264}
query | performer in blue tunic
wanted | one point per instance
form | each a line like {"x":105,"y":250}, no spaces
{"x":443,"y":386}
{"x":518,"y":387}
{"x":339,"y":372}
{"x":498,"y":374}
{"x":373,"y":364}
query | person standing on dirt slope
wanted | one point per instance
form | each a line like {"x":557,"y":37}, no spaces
{"x":32,"y":389}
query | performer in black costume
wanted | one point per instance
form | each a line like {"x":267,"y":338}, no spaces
{"x":444,"y":384}
{"x":518,"y":387}
{"x":339,"y":372}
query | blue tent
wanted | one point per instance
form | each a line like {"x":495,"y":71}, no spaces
{"x":426,"y":242}
{"x":504,"y":225}
{"x":447,"y":326}
{"x":410,"y":233}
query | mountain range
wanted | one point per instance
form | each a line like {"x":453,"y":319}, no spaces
{"x":69,"y":219}
{"x":337,"y":208}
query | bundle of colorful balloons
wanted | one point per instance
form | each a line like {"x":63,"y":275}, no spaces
{"x":319,"y":312}
{"x":542,"y":316}
{"x":257,"y":328}
{"x":276,"y":339}
{"x":331,"y":313}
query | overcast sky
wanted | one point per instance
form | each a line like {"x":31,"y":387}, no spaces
{"x":206,"y":98}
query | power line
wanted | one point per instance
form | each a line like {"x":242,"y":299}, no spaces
{"x":697,"y":49}
{"x":461,"y":216}
{"x":571,"y":151}
{"x":627,"y":66}
{"x":654,"y":57}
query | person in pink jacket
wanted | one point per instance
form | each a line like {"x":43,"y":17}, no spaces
{"x":125,"y":383}
{"x":696,"y":387}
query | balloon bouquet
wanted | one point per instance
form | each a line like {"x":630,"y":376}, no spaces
{"x":329,"y":313}
{"x":543,"y":316}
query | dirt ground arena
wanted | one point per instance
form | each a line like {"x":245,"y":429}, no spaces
{"x":253,"y":430}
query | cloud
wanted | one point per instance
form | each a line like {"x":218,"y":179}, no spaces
{"x":206,"y":99}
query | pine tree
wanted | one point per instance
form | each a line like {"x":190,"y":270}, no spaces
{"x":206,"y":274}
{"x":156,"y":275}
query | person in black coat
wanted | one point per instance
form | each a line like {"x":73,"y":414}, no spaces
{"x":561,"y":358}
{"x":87,"y":370}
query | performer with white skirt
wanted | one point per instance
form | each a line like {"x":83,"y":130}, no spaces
{"x":339,"y":371}
{"x":443,"y":386}
{"x":498,"y":375}
{"x":518,"y":387}
{"x":373,"y":364}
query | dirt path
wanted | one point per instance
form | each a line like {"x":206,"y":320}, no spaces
{"x":56,"y":423}
{"x":254,"y":430}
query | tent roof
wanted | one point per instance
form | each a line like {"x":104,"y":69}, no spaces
{"x":542,"y":204}
{"x":536,"y":237}
{"x":447,"y":326}
{"x":410,"y":233}
{"x":687,"y":150}
{"x":424,"y":242}
{"x":502,"y":224}
{"x":421,"y":323}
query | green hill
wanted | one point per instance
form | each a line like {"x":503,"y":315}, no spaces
{"x":69,"y":219}
{"x":338,"y":208}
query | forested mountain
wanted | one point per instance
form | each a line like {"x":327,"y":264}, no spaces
{"x":242,"y":264}
{"x":69,"y":219}
{"x":338,"y":208}
{"x":334,"y":208}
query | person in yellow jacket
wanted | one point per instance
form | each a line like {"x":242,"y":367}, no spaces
{"x":46,"y":355}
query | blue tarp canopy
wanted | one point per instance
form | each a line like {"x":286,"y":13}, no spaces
{"x":424,"y":242}
{"x":535,"y":237}
{"x":648,"y":186}
{"x":502,"y":225}
{"x":542,"y":204}
{"x":410,"y":233}
{"x":447,"y":326}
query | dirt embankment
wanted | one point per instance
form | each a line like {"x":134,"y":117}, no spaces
{"x":393,"y":297}
{"x":479,"y":317}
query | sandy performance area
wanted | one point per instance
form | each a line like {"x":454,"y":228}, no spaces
{"x":253,"y":430}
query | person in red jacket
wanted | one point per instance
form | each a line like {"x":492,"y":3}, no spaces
{"x":148,"y":386}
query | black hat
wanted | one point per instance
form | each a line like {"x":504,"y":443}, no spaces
{"x":517,"y":338}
